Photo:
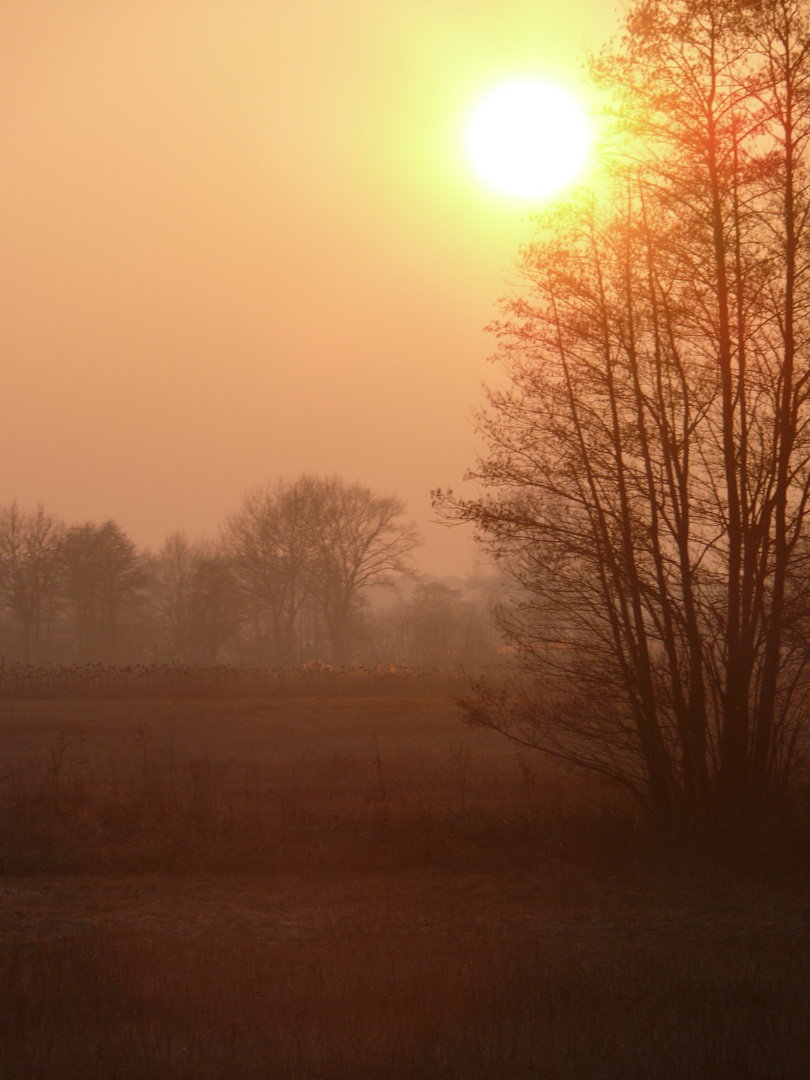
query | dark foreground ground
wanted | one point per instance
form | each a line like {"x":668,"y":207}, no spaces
{"x":364,"y":889}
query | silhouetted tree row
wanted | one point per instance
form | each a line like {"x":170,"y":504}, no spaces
{"x":288,"y":579}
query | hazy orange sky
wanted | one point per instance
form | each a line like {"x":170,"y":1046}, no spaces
{"x":242,"y":240}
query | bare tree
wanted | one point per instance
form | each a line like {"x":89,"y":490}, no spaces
{"x":104,"y":581}
{"x":304,"y":552}
{"x":171,"y":574}
{"x":30,"y":546}
{"x":214,"y":606}
{"x":193,"y":598}
{"x":360,"y":541}
{"x":269,"y":543}
{"x":649,"y":461}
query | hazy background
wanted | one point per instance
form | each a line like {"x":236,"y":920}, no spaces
{"x":242,"y":240}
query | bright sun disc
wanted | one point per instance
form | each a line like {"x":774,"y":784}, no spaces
{"x":528,"y":139}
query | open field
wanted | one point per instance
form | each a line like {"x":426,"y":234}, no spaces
{"x":363,"y":888}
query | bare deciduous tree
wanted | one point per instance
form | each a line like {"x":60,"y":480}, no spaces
{"x":104,"y":578}
{"x":310,"y":548}
{"x":360,"y":541}
{"x":194,"y":599}
{"x":649,"y":463}
{"x":270,"y":545}
{"x":30,"y":545}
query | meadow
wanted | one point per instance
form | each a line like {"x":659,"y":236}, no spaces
{"x":358,"y":886}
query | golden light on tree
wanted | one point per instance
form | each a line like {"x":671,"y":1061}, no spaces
{"x":528,"y":139}
{"x":648,"y":465}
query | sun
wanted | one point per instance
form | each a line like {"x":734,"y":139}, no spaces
{"x":528,"y":139}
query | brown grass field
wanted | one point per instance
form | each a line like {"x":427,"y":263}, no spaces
{"x":364,"y":888}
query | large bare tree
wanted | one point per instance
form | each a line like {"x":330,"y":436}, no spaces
{"x":648,"y":460}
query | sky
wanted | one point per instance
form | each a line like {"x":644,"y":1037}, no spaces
{"x":243,"y":240}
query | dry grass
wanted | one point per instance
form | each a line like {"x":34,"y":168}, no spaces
{"x":219,"y":682}
{"x":361,"y":888}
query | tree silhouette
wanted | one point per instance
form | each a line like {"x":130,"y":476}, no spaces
{"x":360,"y":541}
{"x":103,"y":578}
{"x":30,"y":549}
{"x":270,"y":545}
{"x":649,"y":459}
{"x":312,"y":547}
{"x":194,"y":599}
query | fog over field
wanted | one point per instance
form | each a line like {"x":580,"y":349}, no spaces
{"x":244,"y":241}
{"x":369,"y":711}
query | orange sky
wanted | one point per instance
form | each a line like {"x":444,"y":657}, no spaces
{"x":241,"y":240}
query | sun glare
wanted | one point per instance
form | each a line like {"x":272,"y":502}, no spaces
{"x":528,"y":139}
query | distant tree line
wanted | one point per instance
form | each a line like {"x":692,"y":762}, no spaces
{"x":290,"y":577}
